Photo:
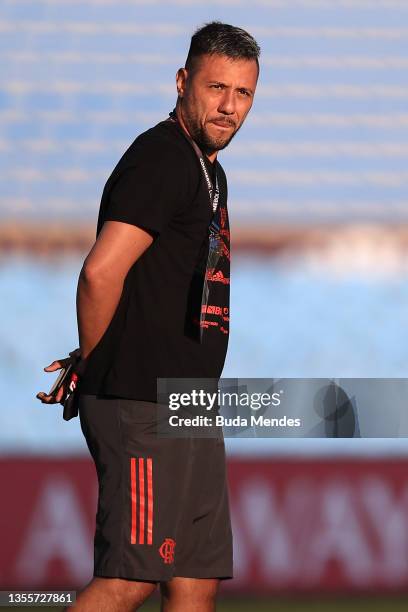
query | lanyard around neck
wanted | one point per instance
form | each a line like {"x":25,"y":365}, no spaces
{"x":214,"y":194}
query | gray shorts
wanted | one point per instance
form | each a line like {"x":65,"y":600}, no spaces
{"x":163,"y":507}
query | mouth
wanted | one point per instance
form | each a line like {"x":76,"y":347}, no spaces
{"x":223,"y":125}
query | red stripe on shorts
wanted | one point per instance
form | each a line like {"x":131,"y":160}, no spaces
{"x":149,"y":500}
{"x":141,"y":501}
{"x":133,"y":500}
{"x":140,"y":529}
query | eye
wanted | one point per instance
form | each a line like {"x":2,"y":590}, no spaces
{"x":217,"y":86}
{"x":244,"y":92}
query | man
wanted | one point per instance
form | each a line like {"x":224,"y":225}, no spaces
{"x":153,"y":301}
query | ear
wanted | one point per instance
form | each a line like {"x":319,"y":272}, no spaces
{"x":181,"y":81}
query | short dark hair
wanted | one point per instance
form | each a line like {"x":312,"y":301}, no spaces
{"x":216,"y":38}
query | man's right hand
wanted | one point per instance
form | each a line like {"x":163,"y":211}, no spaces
{"x":55,"y":399}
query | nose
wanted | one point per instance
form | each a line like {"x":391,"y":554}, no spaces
{"x":227,"y":103}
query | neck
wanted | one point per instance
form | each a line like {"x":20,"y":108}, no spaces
{"x":210,"y":156}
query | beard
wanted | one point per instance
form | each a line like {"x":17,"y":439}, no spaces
{"x":208,"y":142}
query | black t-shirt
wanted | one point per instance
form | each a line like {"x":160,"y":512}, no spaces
{"x":158,"y":185}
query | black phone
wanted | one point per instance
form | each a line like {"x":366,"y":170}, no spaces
{"x":62,"y":377}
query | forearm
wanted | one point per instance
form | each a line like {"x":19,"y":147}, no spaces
{"x":96,"y":301}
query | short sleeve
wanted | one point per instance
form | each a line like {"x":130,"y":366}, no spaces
{"x":149,"y":192}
